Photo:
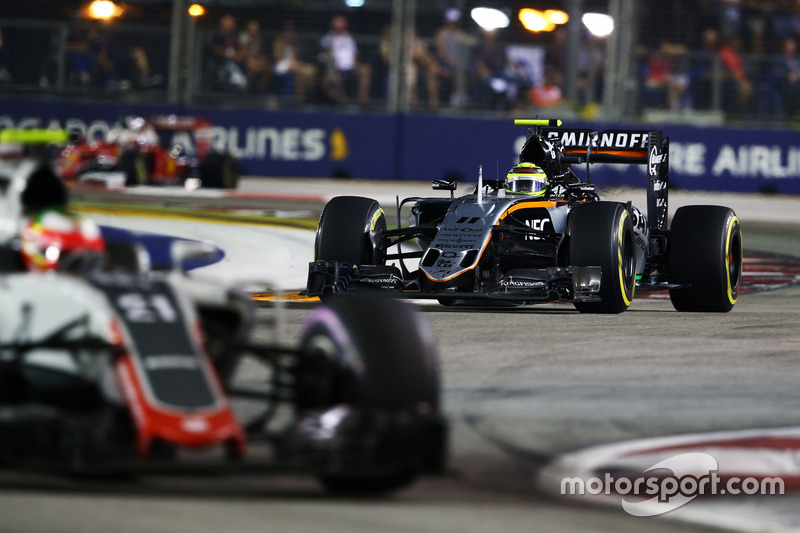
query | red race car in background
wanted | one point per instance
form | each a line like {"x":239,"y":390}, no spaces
{"x":164,"y":150}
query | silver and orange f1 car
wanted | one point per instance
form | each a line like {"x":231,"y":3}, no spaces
{"x":504,"y":245}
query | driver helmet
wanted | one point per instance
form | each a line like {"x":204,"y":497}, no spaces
{"x":54,"y":239}
{"x":527,"y":178}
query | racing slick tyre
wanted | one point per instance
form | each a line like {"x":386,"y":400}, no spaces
{"x":219,"y":171}
{"x":368,"y":395}
{"x":705,"y":253}
{"x":351,"y":230}
{"x":601,"y":234}
{"x":132,"y":162}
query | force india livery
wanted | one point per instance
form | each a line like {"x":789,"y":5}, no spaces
{"x":557,"y":242}
{"x":106,"y":366}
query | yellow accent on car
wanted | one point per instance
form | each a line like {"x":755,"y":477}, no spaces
{"x":537,"y":122}
{"x":731,"y":299}
{"x":528,"y":205}
{"x":375,"y":217}
{"x":31,"y":136}
{"x":619,"y":254}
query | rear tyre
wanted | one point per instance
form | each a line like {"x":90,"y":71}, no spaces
{"x":601,"y":234}
{"x":219,"y":171}
{"x":133,"y":163}
{"x":705,"y":253}
{"x":382,"y":382}
{"x":351,"y":231}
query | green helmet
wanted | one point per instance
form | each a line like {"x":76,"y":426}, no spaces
{"x":527,"y":178}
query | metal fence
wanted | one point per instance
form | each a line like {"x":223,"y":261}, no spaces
{"x":717,"y":65}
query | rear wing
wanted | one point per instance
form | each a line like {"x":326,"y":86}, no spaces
{"x":200,"y":128}
{"x":554,"y":148}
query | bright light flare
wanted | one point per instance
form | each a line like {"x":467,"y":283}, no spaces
{"x":556,"y":16}
{"x":536,"y":21}
{"x":196,"y":10}
{"x":533,"y":20}
{"x":598,"y":24}
{"x":103,"y":10}
{"x":490,"y":19}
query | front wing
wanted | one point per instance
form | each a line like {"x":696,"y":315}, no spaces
{"x":523,"y":285}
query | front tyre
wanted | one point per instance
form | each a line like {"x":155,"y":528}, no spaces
{"x":705,"y":255}
{"x":351,"y":231}
{"x":219,"y":171}
{"x":601,"y":234}
{"x":368,"y":395}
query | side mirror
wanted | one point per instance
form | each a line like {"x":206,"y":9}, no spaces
{"x":444,"y":185}
{"x":193,"y":252}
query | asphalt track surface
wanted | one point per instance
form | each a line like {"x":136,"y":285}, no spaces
{"x":520,"y":387}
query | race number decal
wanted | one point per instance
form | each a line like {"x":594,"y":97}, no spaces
{"x":138,"y":307}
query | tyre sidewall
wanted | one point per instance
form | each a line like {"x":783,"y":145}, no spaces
{"x":705,"y":254}
{"x":601,"y":234}
{"x":351,"y":230}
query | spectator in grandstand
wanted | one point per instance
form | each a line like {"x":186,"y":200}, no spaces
{"x":298,"y":76}
{"x":79,"y":57}
{"x":780,"y":23}
{"x":555,"y":56}
{"x":548,"y":92}
{"x":497,"y":81}
{"x":5,"y":75}
{"x":228,"y":56}
{"x":665,"y":78}
{"x":104,"y":73}
{"x":451,"y":53}
{"x":702,"y":70}
{"x":257,"y":66}
{"x":139,"y":75}
{"x":591,"y":70}
{"x":787,"y":69}
{"x":757,"y":18}
{"x":737,"y":87}
{"x":795,"y":18}
{"x":730,"y":15}
{"x":341,"y":69}
{"x":423,"y":65}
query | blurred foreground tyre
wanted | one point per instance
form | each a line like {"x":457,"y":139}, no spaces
{"x":705,"y":254}
{"x":132,"y":162}
{"x":219,"y":171}
{"x":371,"y":376}
{"x":351,"y":230}
{"x":601,"y":234}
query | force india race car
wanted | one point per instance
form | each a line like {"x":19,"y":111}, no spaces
{"x":164,"y":150}
{"x":106,"y":367}
{"x":495,"y":246}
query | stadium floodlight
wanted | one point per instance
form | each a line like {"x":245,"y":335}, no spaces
{"x":103,"y":9}
{"x":535,"y":20}
{"x":598,"y":24}
{"x":196,"y":10}
{"x":490,"y":19}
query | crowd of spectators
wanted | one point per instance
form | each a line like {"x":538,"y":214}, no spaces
{"x":735,"y":56}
